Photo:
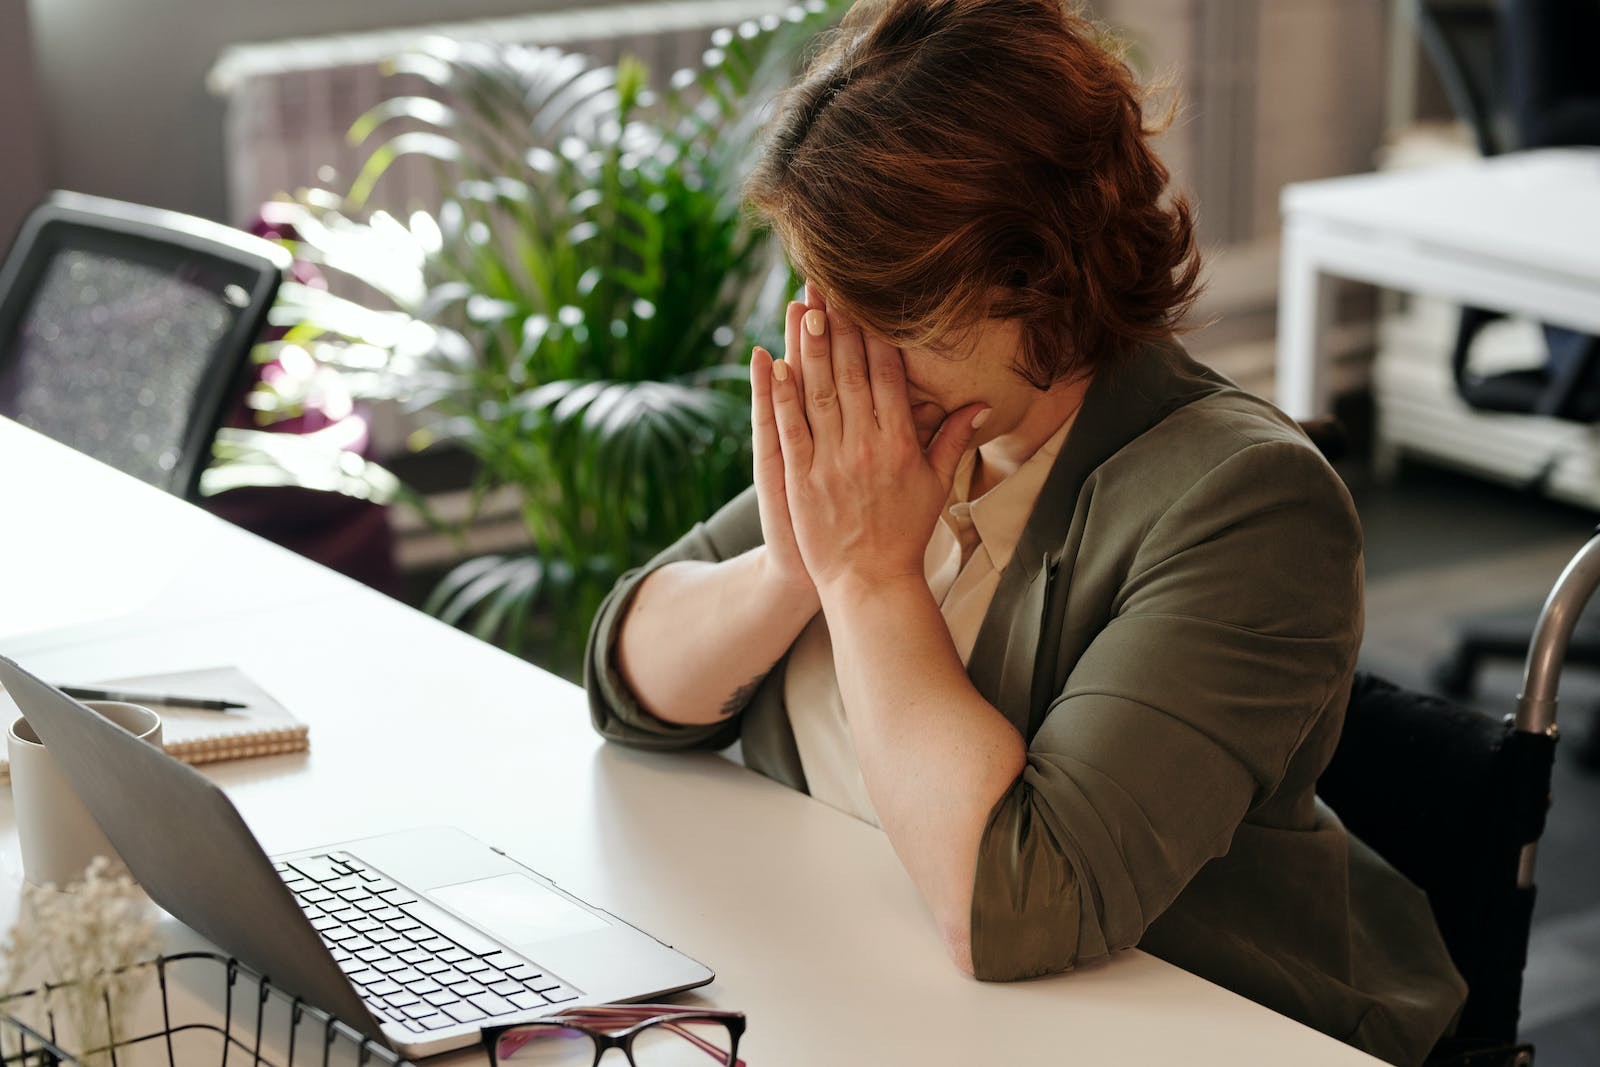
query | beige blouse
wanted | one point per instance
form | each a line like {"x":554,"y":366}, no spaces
{"x":969,"y":548}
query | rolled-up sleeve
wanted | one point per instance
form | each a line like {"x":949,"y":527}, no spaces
{"x":1237,"y":623}
{"x":613,"y":707}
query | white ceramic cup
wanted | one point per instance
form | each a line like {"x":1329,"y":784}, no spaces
{"x":57,"y":834}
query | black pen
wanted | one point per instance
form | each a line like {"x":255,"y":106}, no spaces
{"x":160,"y":700}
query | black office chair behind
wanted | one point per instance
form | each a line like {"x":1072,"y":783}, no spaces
{"x":125,"y":329}
{"x":1466,"y":42}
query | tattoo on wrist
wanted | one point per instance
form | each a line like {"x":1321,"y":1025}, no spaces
{"x":741,"y":696}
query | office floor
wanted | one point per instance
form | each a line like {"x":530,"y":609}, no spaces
{"x":1442,"y":548}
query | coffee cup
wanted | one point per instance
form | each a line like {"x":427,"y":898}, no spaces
{"x":57,"y":835}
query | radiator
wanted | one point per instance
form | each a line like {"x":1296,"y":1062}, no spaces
{"x":290,"y":103}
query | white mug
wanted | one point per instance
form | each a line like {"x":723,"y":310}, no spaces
{"x":57,"y":834}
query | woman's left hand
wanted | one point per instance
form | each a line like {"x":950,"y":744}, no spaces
{"x":863,"y":495}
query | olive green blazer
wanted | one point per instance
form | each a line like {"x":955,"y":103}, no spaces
{"x":1174,"y":637}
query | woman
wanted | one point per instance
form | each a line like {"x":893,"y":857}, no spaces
{"x":1068,"y":615}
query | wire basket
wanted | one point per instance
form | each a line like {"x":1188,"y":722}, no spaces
{"x":201,"y":1009}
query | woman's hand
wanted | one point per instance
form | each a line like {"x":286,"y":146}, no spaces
{"x":862,"y":495}
{"x":782,"y":564}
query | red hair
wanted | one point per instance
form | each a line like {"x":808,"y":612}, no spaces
{"x":944,"y":161}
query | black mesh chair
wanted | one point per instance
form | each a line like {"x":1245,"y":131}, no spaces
{"x":124,"y":330}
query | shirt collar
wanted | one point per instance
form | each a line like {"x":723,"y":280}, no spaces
{"x":1000,"y":514}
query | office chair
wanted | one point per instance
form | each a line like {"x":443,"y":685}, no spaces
{"x":1470,"y":48}
{"x":1456,"y":802}
{"x":125,"y":329}
{"x":1450,"y":797}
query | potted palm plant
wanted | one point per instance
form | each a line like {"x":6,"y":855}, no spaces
{"x":575,"y":313}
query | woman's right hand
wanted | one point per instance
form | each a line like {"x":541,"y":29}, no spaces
{"x":782,"y":565}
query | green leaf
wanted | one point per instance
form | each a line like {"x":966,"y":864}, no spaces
{"x":421,"y":109}
{"x":419,"y":142}
{"x":458,"y":579}
{"x":519,"y":583}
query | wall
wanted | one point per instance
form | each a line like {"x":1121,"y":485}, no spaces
{"x":1271,"y":91}
{"x":124,"y":101}
{"x":24,"y":171}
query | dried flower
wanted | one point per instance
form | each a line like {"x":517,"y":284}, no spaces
{"x":80,"y":947}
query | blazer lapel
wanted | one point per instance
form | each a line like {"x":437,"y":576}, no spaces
{"x":1013,"y":663}
{"x":1002,"y":660}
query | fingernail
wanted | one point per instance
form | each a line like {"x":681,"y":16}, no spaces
{"x":981,"y":418}
{"x":816,"y":322}
{"x":780,"y":370}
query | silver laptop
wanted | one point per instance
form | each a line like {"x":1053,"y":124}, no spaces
{"x":417,"y":939}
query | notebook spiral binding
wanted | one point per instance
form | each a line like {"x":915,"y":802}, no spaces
{"x":245,"y":1040}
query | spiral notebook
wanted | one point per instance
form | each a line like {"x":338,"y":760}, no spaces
{"x":263,"y":727}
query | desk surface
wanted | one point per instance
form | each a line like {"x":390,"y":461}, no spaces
{"x":1540,"y":209}
{"x":805,"y":913}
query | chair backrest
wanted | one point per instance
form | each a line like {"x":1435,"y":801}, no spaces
{"x":1449,"y":797}
{"x":123,"y":328}
{"x":1553,"y":81}
{"x":1463,"y":41}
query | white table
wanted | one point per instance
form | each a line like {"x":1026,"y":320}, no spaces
{"x":1518,"y":233}
{"x":814,"y":929}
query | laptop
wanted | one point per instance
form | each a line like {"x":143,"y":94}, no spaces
{"x":417,"y":939}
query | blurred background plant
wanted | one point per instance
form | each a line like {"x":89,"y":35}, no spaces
{"x":576,"y":314}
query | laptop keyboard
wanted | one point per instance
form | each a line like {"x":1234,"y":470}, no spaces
{"x":413,"y":963}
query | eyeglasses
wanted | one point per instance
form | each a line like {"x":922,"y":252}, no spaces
{"x":649,"y":1035}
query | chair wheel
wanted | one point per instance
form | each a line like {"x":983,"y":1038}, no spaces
{"x":1454,"y":675}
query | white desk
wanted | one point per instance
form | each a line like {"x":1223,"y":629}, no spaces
{"x":1518,"y":233}
{"x":82,"y":545}
{"x":805,"y":913}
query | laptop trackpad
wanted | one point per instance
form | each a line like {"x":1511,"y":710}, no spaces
{"x":517,"y":910}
